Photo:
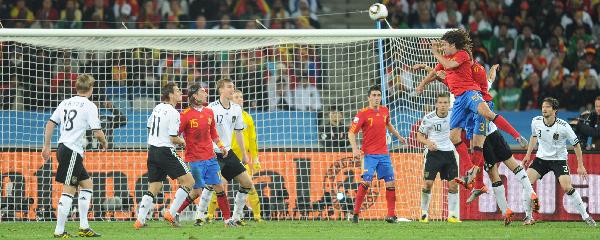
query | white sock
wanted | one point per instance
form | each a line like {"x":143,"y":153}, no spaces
{"x":453,"y":204}
{"x":578,"y":204}
{"x":527,"y":204}
{"x":240,"y":202}
{"x":180,"y":196}
{"x":85,"y":197}
{"x":425,"y":199}
{"x":146,"y":205}
{"x":524,"y":180}
{"x":500,"y":194}
{"x":64,"y":207}
{"x":202,"y":209}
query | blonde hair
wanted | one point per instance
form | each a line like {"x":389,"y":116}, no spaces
{"x":84,"y":83}
{"x":221,"y":83}
{"x":237,"y":91}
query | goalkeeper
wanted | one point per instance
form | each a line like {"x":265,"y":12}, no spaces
{"x":250,"y":142}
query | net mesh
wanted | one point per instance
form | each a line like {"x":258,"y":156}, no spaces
{"x":301,"y":91}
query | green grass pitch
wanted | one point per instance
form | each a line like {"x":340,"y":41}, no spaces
{"x":315,"y":230}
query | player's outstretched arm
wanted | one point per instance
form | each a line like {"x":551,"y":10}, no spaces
{"x":395,"y":132}
{"x":580,"y":168}
{"x":492,"y":74}
{"x":532,"y":143}
{"x":99,"y":134}
{"x":431,"y":76}
{"x":49,"y":130}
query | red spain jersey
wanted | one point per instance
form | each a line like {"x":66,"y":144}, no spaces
{"x":198,"y":128}
{"x":480,"y":77}
{"x":459,"y":79}
{"x":373,"y":125}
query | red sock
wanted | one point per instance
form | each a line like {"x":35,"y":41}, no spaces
{"x":360,"y":197}
{"x":390,"y":197}
{"x":463,"y":152}
{"x":185,"y":203}
{"x":505,"y":126}
{"x":223,"y":205}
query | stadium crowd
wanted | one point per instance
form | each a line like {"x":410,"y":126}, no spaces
{"x":545,"y":48}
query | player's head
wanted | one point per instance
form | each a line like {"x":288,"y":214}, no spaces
{"x":374,"y":96}
{"x":85,"y":84}
{"x":456,"y":40}
{"x":335,"y":116}
{"x":549,"y":107}
{"x":225,"y":87}
{"x":171,"y":92}
{"x":597,"y":105}
{"x":238,"y":98}
{"x":442,"y":102}
{"x":197,"y":95}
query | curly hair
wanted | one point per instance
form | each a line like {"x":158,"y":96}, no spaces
{"x":460,"y":38}
{"x":553,"y":102}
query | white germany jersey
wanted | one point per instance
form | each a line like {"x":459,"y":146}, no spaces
{"x":552,"y":139}
{"x":437,"y":130}
{"x":228,"y":120}
{"x":163,"y":123}
{"x":75,"y":115}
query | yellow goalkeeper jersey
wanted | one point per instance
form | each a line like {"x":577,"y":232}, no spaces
{"x":250,"y":142}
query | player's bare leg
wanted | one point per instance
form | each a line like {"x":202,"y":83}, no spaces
{"x":484,"y":110}
{"x":575,"y":198}
{"x":533,"y":176}
{"x":147,"y":204}
{"x":425,"y":200}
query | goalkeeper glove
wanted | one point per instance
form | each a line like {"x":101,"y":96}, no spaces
{"x":256,"y":165}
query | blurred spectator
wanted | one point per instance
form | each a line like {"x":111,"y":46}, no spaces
{"x":21,"y":14}
{"x":579,"y":34}
{"x":149,"y":18}
{"x":553,"y":50}
{"x":335,"y":133}
{"x":4,"y":10}
{"x":282,"y":100}
{"x":507,"y":54}
{"x":527,"y":35}
{"x":306,"y":96}
{"x":422,"y":17}
{"x":111,"y":118}
{"x":576,"y":53}
{"x":279,"y":16}
{"x":398,"y":14}
{"x":124,"y":13}
{"x":200,"y":23}
{"x":46,"y":16}
{"x":442,"y":18}
{"x":570,"y":95}
{"x":64,"y":80}
{"x":581,"y":20}
{"x":532,"y":93}
{"x":553,"y":77}
{"x":590,"y":58}
{"x":175,"y":12}
{"x":98,"y":16}
{"x":581,"y":73}
{"x":207,"y":8}
{"x":224,"y":23}
{"x":311,"y":5}
{"x":596,"y":18}
{"x":478,"y":24}
{"x":304,"y":10}
{"x":8,"y":86}
{"x":70,"y":17}
{"x":590,"y":91}
{"x":509,"y":96}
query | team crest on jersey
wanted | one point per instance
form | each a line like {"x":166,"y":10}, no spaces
{"x":355,"y":120}
{"x":555,"y":136}
{"x":73,"y":180}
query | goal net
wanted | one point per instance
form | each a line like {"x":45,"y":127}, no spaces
{"x":302,"y":87}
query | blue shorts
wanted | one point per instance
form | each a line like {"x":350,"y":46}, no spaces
{"x":380,"y":163}
{"x":464,"y":105}
{"x":477,"y":124}
{"x":206,"y":172}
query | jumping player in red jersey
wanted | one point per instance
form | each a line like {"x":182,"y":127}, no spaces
{"x":373,"y":121}
{"x":198,"y":128}
{"x":457,"y":65}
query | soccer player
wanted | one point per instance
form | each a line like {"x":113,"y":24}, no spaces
{"x":74,"y":115}
{"x":552,"y":133}
{"x":163,"y":127}
{"x":373,"y":121}
{"x":440,"y":157}
{"x":457,"y":65}
{"x":228,"y":117}
{"x":199,"y":132}
{"x":250,"y":142}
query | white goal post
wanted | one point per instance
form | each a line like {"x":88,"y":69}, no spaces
{"x":297,"y":84}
